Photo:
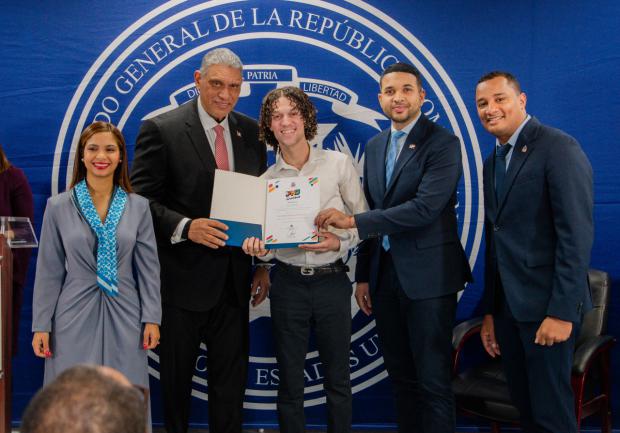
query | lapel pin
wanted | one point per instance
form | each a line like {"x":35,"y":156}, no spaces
{"x":412,"y":146}
{"x":239,"y":134}
{"x":524,"y":149}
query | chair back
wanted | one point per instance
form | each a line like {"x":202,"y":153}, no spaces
{"x":595,"y":321}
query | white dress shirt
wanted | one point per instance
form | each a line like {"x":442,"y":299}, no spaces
{"x":513,"y":140}
{"x":340,"y":189}
{"x":407,"y":129}
{"x":208,"y":123}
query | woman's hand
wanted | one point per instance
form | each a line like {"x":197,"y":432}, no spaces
{"x":41,"y":344}
{"x":151,"y":336}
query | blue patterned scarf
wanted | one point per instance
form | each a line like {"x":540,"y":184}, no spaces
{"x":107,"y":264}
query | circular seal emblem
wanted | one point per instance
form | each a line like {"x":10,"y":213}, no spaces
{"x":335,"y":54}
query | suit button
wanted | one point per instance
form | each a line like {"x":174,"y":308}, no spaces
{"x":495,"y":228}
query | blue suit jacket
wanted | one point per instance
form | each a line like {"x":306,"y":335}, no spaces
{"x":416,"y":210}
{"x":539,"y":233}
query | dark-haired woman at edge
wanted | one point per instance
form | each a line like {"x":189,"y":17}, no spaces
{"x":16,"y":201}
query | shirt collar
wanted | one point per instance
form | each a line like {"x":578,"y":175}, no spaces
{"x":515,"y":136}
{"x":407,"y":129}
{"x":208,"y":122}
{"x":315,"y":155}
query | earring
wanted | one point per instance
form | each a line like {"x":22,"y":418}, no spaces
{"x":82,"y":159}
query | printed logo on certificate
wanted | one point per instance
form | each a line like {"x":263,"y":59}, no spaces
{"x":280,"y":211}
{"x":292,"y":205}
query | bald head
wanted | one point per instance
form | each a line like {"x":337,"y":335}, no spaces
{"x":86,"y":399}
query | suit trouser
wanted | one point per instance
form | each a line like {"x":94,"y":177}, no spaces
{"x":415,"y":337}
{"x":224,"y":330}
{"x":298,"y":304}
{"x":539,"y":377}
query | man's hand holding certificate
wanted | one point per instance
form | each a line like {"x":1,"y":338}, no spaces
{"x":281,"y":212}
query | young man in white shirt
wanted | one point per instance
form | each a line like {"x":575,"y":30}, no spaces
{"x":310,"y":286}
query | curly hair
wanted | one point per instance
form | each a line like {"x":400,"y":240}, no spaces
{"x":299,"y":100}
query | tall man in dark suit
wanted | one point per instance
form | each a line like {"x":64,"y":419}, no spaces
{"x":205,"y":284}
{"x":538,"y":226}
{"x":411,"y":264}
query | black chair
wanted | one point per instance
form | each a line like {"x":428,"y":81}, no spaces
{"x":481,"y":391}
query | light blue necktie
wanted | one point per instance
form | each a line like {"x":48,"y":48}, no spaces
{"x":392,"y":154}
{"x":390,"y":162}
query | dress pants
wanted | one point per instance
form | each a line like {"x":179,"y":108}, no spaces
{"x":415,"y":337}
{"x":225,"y":331}
{"x":300,"y":303}
{"x":539,"y":377}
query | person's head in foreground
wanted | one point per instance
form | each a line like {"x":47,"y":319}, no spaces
{"x":86,"y":399}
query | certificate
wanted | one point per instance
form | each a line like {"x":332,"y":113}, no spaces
{"x":279,"y":211}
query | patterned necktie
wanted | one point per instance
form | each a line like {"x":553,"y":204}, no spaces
{"x":500,"y":168}
{"x":390,"y":162}
{"x":221,"y":153}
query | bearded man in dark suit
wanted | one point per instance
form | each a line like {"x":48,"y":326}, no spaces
{"x":411,"y":263}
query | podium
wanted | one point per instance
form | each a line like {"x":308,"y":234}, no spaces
{"x":6,"y":299}
{"x":15,"y":232}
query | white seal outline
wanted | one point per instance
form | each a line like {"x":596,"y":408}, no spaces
{"x":321,"y":4}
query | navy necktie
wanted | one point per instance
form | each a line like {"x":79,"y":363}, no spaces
{"x":500,"y":168}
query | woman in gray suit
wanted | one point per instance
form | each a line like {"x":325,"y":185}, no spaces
{"x":96,"y":294}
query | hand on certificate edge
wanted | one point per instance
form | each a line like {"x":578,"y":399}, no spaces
{"x":330,"y":242}
{"x":260,"y":285}
{"x":334,"y":217}
{"x":208,"y":232}
{"x":254,"y":247}
{"x":362,"y":296}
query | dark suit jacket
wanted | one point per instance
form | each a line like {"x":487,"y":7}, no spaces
{"x":174,"y":168}
{"x":539,"y":233}
{"x":417,"y":212}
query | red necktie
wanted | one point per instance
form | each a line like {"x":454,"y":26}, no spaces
{"x":221,"y":153}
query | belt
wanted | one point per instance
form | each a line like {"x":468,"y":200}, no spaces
{"x":337,"y":266}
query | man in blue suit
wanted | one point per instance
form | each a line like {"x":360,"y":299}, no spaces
{"x":538,"y":225}
{"x":411,"y":264}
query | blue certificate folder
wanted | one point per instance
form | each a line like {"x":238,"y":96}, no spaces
{"x":238,"y":231}
{"x":240,"y":201}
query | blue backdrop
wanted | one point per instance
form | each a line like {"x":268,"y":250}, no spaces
{"x":67,"y":63}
